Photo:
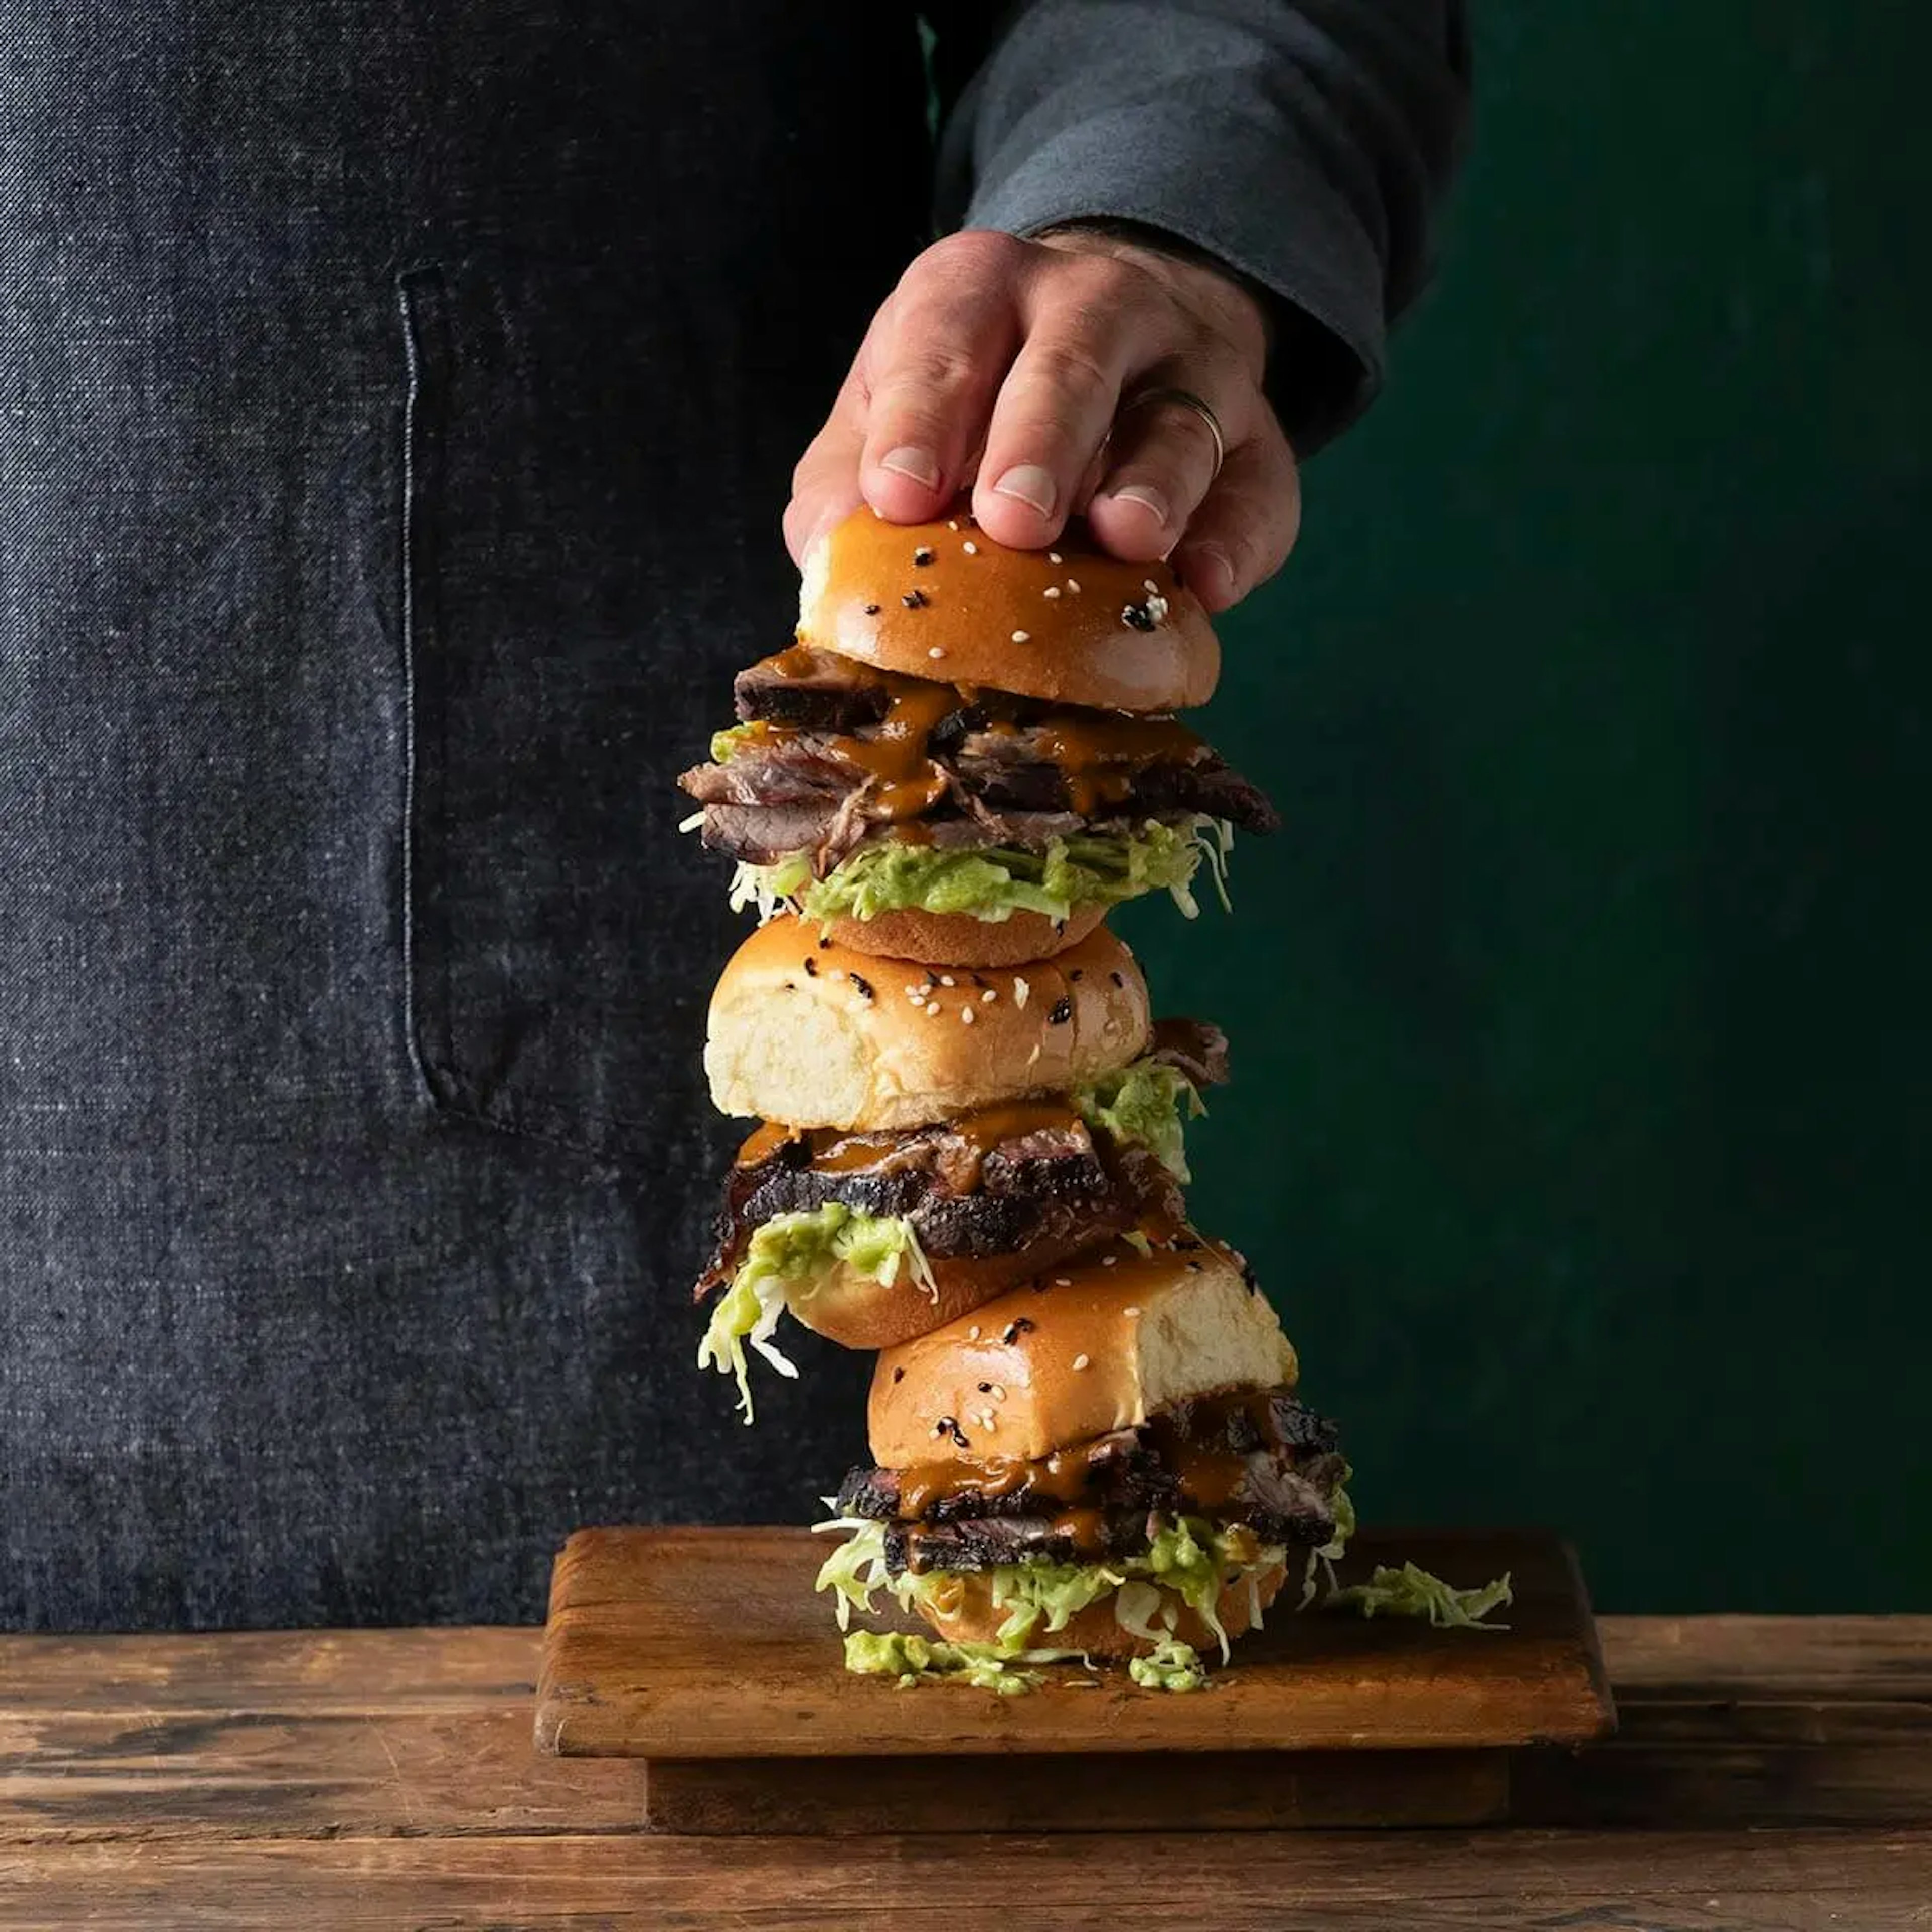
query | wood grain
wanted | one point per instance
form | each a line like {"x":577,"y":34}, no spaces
{"x":1123,"y":1791}
{"x":693,"y":1643}
{"x":358,"y":1780}
{"x":1309,"y":1882}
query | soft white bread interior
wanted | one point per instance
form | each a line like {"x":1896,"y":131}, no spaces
{"x":809,"y":1033}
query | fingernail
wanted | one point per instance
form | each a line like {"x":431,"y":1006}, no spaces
{"x":1030,"y":484}
{"x":1146,"y":495}
{"x":1210,"y":575}
{"x":915,"y":466}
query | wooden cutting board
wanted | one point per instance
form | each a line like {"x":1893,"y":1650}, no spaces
{"x":705,"y":1652}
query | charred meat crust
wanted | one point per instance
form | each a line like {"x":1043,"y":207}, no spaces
{"x":1060,"y":1193}
{"x":1289,"y":1469}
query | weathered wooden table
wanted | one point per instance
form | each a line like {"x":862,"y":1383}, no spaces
{"x":1770,"y":1773}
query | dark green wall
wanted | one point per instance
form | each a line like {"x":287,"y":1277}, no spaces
{"x":1583,"y":1010}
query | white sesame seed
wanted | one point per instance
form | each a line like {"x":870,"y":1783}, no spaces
{"x":967,"y":1014}
{"x":1051,"y":590}
{"x":1148,"y":584}
{"x":932,"y":1010}
{"x":1108,"y":1260}
{"x":971,"y":547}
{"x":1035,"y":1054}
{"x":953,"y":523}
{"x":937,"y":651}
{"x":1053,"y":557}
{"x":1156,"y":607}
{"x":1061,"y":1281}
{"x":972,"y":1333}
{"x":1079,"y":1362}
{"x":947,"y":979}
{"x":1073,"y":584}
{"x":987,"y":998}
{"x":1130,"y":1311}
{"x":999,"y":1393}
{"x":988,"y":1420}
{"x":1022,"y":638}
{"x":1021,"y":990}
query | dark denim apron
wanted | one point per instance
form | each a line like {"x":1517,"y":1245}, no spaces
{"x":399,"y":403}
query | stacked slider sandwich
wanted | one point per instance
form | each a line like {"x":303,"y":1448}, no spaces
{"x":970,"y":1152}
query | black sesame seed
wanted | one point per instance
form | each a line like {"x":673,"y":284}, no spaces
{"x":1062,"y":1011}
{"x":1139,"y":617}
{"x":824,"y":944}
{"x":865,"y":986}
{"x":977,"y":981}
{"x":791,"y":986}
{"x":922,"y":555}
{"x":871,"y":609}
{"x":1078,"y":973}
{"x":898,"y":1374}
{"x":1117,"y":979}
{"x":913,"y":600}
{"x":1021,"y":1324}
{"x":811,"y":967}
{"x":931,"y":977}
{"x":1187,"y":1243}
{"x":986,"y":1388}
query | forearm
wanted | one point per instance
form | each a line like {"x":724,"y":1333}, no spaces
{"x":1306,"y":145}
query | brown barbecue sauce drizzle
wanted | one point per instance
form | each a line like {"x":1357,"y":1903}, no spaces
{"x":1209,"y":1478}
{"x":836,"y":1150}
{"x":1097,"y":753}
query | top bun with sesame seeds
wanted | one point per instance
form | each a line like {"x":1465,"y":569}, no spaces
{"x":1071,"y":624}
{"x":1090,"y":1348}
{"x":807,"y":1032}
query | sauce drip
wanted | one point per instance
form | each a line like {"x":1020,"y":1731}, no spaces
{"x":1097,"y":753}
{"x":839,"y":1151}
{"x":1209,"y":1474}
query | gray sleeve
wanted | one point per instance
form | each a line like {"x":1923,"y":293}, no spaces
{"x":1305,"y":143}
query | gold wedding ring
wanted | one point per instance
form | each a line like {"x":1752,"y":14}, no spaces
{"x":1185,"y":399}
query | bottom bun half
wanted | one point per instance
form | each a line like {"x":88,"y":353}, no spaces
{"x":968,"y":1616}
{"x":856,"y":1312}
{"x":958,"y":939}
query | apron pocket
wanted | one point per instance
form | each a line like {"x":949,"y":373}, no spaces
{"x":561,"y":936}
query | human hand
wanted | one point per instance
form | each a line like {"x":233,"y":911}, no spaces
{"x":1005,"y":363}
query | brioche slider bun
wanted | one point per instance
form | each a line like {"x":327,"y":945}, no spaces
{"x":1072,"y":626}
{"x":810,"y":1033}
{"x":963,"y":938}
{"x":857,"y":1311}
{"x":1088,"y":1348}
{"x":1102,"y":1345}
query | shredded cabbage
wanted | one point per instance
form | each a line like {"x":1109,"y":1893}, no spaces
{"x":1146,"y":1103}
{"x":1187,"y":1562}
{"x":1412,"y":1591}
{"x":923,"y":1659}
{"x":787,"y":1257}
{"x":1331,"y":1553}
{"x":1171,"y":1665}
{"x":1409,"y":1591}
{"x":994,"y":882}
